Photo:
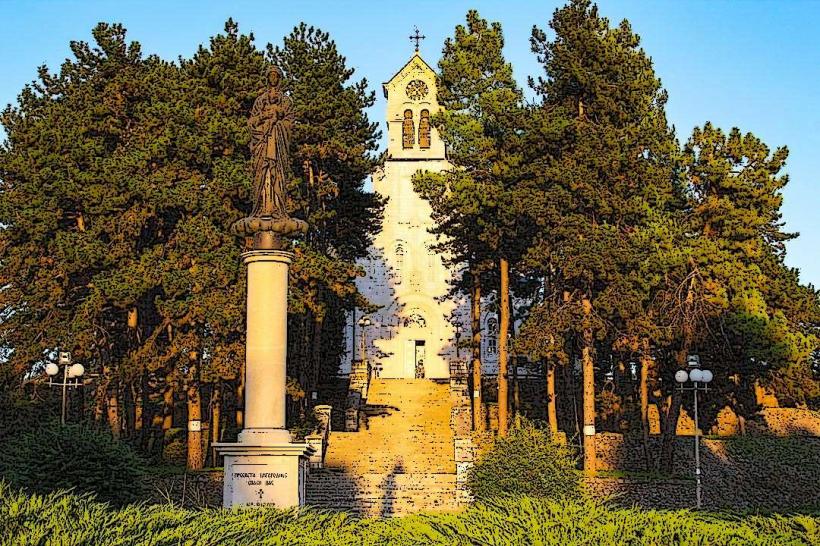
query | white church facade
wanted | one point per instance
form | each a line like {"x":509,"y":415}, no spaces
{"x":415,"y":331}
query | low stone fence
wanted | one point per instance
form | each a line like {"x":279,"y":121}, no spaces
{"x":752,"y":472}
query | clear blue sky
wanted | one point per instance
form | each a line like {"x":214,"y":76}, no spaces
{"x":751,"y":64}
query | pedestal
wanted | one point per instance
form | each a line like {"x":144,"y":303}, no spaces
{"x":264,"y":475}
{"x":263,"y":467}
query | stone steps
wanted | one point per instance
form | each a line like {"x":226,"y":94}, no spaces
{"x":406,"y":428}
{"x":400,"y":461}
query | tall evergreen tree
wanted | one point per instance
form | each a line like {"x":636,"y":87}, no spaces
{"x":334,"y":153}
{"x":480,"y":125}
{"x":612,"y":163}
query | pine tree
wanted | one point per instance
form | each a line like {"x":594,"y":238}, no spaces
{"x":610,"y":162}
{"x":334,"y":152}
{"x":472,"y":204}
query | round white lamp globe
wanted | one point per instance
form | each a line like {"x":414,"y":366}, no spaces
{"x":76,"y":370}
{"x":707,"y":376}
{"x":681,"y":376}
{"x":696,"y":375}
{"x":52,"y":369}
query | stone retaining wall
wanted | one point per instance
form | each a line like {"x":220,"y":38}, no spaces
{"x":380,"y":494}
{"x":741,"y":473}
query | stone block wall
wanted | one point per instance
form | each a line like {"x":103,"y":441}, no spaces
{"x":381,"y":494}
{"x":740,"y":473}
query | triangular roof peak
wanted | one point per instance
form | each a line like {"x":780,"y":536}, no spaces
{"x":416,"y":63}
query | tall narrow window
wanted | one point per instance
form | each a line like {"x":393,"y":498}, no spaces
{"x":398,"y":270}
{"x":424,"y":129}
{"x":408,"y":130}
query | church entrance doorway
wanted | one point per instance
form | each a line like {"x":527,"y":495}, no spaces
{"x":414,"y":356}
{"x":419,"y":359}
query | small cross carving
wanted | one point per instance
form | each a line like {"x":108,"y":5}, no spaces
{"x":260,"y":493}
{"x":417,"y":37}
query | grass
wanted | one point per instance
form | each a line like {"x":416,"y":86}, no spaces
{"x":66,"y":519}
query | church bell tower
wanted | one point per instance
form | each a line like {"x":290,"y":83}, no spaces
{"x":412,"y":335}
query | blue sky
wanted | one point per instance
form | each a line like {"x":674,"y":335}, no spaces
{"x":751,"y":64}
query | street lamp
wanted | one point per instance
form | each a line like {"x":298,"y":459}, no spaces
{"x":458,"y":340}
{"x":70,"y":371}
{"x":363,"y":323}
{"x":700,"y":383}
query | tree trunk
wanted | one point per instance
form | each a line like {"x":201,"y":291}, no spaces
{"x":216,"y":415}
{"x":167,"y":414}
{"x":646,"y":364}
{"x":475,"y":325}
{"x":670,"y":432}
{"x":101,"y":398}
{"x":670,"y":429}
{"x":113,"y":409}
{"x":194,"y":399}
{"x":240,"y":398}
{"x":516,"y":398}
{"x":129,"y":410}
{"x":318,"y":330}
{"x":503,"y":394}
{"x":552,"y":414}
{"x":590,"y":458}
{"x":147,"y":414}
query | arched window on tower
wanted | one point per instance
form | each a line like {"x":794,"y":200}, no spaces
{"x":424,"y":129}
{"x":408,"y":130}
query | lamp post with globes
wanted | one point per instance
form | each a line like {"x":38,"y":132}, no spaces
{"x":363,"y":323}
{"x":700,"y":380}
{"x":70,"y":372}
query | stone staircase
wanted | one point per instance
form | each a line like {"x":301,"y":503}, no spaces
{"x":400,"y":461}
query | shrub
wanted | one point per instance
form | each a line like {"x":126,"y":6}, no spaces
{"x":175,"y":447}
{"x":528,"y":462}
{"x":52,"y":457}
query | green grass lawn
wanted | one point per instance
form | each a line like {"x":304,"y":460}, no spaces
{"x":66,"y":519}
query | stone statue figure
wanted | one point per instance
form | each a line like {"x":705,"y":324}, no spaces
{"x":270,"y":123}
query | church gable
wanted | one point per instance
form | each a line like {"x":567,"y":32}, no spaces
{"x":415,"y":69}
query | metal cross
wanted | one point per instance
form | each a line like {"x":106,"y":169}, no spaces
{"x":417,"y":37}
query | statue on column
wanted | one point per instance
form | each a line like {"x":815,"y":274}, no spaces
{"x":270,"y":123}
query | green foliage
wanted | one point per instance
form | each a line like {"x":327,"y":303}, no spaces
{"x":482,"y":103}
{"x":52,"y":457}
{"x":120,"y":176}
{"x":525,"y":463}
{"x":781,"y":459}
{"x":71,"y":519}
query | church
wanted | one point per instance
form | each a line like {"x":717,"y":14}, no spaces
{"x":415,"y":332}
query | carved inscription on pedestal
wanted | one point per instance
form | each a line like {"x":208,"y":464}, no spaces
{"x":256,"y":485}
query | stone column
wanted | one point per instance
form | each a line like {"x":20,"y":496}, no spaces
{"x":263,"y":467}
{"x":266,"y":347}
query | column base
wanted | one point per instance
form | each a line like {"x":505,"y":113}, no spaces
{"x":264,"y":475}
{"x":264,"y":436}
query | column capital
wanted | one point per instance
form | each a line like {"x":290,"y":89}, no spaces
{"x":281,"y":256}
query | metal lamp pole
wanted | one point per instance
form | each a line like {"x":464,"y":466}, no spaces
{"x":458,"y":340}
{"x":363,"y":323}
{"x":700,"y":382}
{"x":70,"y":371}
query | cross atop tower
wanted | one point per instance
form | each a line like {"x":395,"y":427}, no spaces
{"x":416,"y":37}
